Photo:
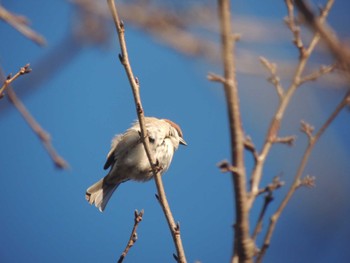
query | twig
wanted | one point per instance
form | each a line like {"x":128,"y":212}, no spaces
{"x":290,"y":21}
{"x":215,"y":77}
{"x":33,"y":124}
{"x":40,"y":132}
{"x":323,"y":70}
{"x":243,"y":246}
{"x":225,"y":167}
{"x":339,"y":50}
{"x":174,"y":229}
{"x":288,"y":140}
{"x":249,"y":146}
{"x":274,"y":78}
{"x":24,"y":70}
{"x":276,"y":183}
{"x":276,"y":121}
{"x":267,"y":200}
{"x":133,"y":237}
{"x":307,"y":128}
{"x":20,"y":23}
{"x":297,"y":179}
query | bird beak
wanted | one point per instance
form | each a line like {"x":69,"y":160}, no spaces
{"x":183,"y":142}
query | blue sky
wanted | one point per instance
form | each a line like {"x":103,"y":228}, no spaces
{"x":87,"y":100}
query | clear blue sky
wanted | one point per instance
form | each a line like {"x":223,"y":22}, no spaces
{"x":44,"y":216}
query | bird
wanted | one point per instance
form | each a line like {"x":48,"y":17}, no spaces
{"x":127,"y":157}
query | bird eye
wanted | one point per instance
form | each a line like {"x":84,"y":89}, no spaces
{"x":151,"y":140}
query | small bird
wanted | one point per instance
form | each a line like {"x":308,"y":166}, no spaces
{"x":127,"y":158}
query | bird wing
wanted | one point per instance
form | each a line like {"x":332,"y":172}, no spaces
{"x":121,"y":144}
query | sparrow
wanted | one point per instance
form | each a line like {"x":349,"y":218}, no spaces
{"x":127,"y":157}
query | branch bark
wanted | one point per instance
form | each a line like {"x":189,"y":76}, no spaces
{"x":43,"y":135}
{"x":313,"y":139}
{"x":275,"y":124}
{"x":133,"y":237}
{"x":134,"y":83}
{"x":243,"y":244}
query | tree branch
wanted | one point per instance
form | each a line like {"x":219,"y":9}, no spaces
{"x":124,"y":59}
{"x":20,"y":23}
{"x":24,"y":70}
{"x":274,"y":78}
{"x":323,"y":70}
{"x":275,"y":124}
{"x":339,"y":50}
{"x":33,"y":124}
{"x":43,"y":135}
{"x":308,"y":181}
{"x":243,"y":245}
{"x":133,"y":237}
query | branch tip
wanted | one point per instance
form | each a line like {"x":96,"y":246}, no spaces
{"x":216,"y":78}
{"x":307,"y":129}
{"x":308,"y":181}
{"x":288,"y":140}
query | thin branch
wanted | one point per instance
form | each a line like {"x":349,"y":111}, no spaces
{"x":274,"y":78}
{"x":323,"y":70}
{"x":20,"y":23}
{"x":243,"y":246}
{"x":276,"y":183}
{"x":249,"y":146}
{"x":309,"y":181}
{"x":133,"y":237}
{"x":293,"y":27}
{"x":174,"y":229}
{"x":24,"y":70}
{"x":288,"y":140}
{"x":225,"y":167}
{"x":33,"y":124}
{"x":307,"y":128}
{"x":338,"y":49}
{"x":215,"y":77}
{"x":37,"y":129}
{"x":267,"y":200}
{"x":275,"y":124}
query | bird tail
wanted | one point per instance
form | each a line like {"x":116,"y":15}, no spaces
{"x":100,"y":193}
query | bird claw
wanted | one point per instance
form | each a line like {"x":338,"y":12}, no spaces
{"x":157,"y":166}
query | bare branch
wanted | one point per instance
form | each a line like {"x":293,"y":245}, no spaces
{"x":323,"y":70}
{"x":267,"y":200}
{"x":291,"y":23}
{"x":134,"y":83}
{"x":275,"y":124}
{"x":249,"y":146}
{"x":338,"y":49}
{"x":288,"y":140}
{"x":276,"y":183}
{"x":20,"y":23}
{"x":40,"y":132}
{"x":33,"y":124}
{"x":307,"y":181}
{"x":24,"y":70}
{"x":307,"y":129}
{"x":225,"y":167}
{"x":215,"y":77}
{"x":243,"y":245}
{"x":133,"y":237}
{"x":274,"y":78}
